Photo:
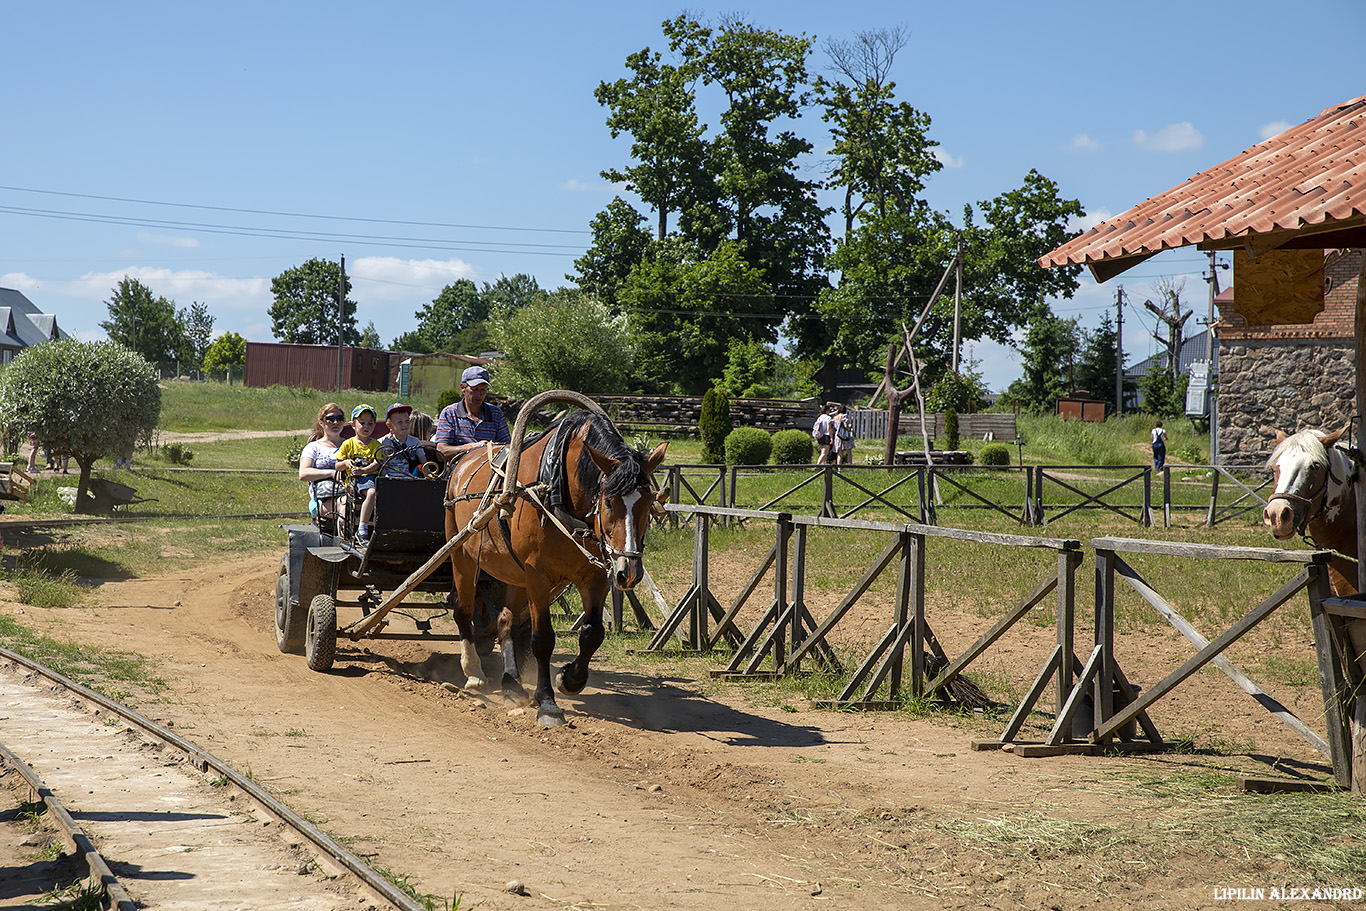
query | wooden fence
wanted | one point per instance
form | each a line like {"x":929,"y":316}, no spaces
{"x":1031,"y":495}
{"x":1116,"y":703}
{"x":786,"y":633}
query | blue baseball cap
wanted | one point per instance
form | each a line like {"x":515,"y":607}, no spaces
{"x":397,"y":406}
{"x":473,"y":376}
{"x":361,"y":409}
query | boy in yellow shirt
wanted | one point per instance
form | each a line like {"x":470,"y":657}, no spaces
{"x":359,"y":458}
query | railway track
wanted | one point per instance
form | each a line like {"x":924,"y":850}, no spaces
{"x":161,"y":823}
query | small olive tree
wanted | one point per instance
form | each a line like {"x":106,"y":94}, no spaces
{"x":84,"y":399}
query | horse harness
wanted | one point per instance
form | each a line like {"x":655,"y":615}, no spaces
{"x":548,"y":494}
{"x":1302,"y":527}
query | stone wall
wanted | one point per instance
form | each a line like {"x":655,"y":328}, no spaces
{"x":1284,"y":384}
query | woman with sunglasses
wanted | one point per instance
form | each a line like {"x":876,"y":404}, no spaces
{"x":318,"y":463}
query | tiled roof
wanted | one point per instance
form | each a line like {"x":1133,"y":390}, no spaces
{"x":1305,"y":187}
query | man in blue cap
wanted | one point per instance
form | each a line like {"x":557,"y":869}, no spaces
{"x":470,"y":422}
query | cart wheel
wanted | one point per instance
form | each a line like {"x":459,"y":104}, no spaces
{"x":320,"y":643}
{"x":289,"y":617}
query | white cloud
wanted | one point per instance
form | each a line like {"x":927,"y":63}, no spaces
{"x":1083,"y":143}
{"x":1176,"y":137}
{"x":574,"y":185}
{"x":946,"y":159}
{"x":1271,"y":129}
{"x":388,"y":278}
{"x":167,"y":240}
{"x":1089,"y":221}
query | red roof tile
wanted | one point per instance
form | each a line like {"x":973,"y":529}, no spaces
{"x":1304,"y":181}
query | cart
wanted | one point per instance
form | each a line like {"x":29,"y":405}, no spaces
{"x":407,"y":552}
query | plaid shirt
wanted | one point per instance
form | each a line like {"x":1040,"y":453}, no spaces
{"x":455,"y":426}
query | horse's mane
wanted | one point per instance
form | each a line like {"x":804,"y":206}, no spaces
{"x":1305,"y":441}
{"x":606,"y":439}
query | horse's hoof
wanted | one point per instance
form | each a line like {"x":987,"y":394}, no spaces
{"x":567,"y":686}
{"x":476,"y":685}
{"x":514,"y":694}
{"x":550,"y":716}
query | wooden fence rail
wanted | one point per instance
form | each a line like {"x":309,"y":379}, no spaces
{"x":1116,"y":702}
{"x":786,"y":634}
{"x":1031,"y":494}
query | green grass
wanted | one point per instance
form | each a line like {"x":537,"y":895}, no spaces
{"x":188,"y":407}
{"x":110,"y":672}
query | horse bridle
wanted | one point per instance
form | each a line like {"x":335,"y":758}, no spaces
{"x":605,"y":540}
{"x":1301,"y":527}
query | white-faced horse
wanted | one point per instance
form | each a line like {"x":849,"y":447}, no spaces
{"x":1316,"y":497}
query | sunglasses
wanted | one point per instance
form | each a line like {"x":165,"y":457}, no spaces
{"x":334,"y":418}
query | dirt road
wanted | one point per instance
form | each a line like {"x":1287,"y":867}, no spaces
{"x":660,"y":796}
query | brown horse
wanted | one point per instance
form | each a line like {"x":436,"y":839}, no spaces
{"x":1316,"y":497}
{"x":598,"y":489}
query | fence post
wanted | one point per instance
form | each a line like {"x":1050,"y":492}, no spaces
{"x":828,"y":496}
{"x":1038,"y":496}
{"x":1213,"y":497}
{"x":1105,"y":636}
{"x":697,"y":623}
{"x":1147,"y":497}
{"x":1166,"y":496}
{"x":674,"y":472}
{"x":1068,"y":561}
{"x":920,"y":487}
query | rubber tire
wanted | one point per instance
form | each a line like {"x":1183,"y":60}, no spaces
{"x":289,"y":617}
{"x":320,"y":641}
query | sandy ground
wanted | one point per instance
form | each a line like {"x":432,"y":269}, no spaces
{"x":665,"y":792}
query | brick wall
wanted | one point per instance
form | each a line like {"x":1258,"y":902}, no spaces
{"x":1288,"y":377}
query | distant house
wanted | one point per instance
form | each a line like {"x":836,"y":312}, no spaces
{"x":1288,"y":377}
{"x":1192,"y":352}
{"x":24,"y":324}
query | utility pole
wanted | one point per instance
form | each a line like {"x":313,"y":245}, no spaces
{"x":1119,"y":350}
{"x":341,"y":319}
{"x":957,"y":301}
{"x":1213,"y":280}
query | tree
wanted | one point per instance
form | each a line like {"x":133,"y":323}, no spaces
{"x":411,"y":340}
{"x":510,"y":293}
{"x":687,"y":308}
{"x":86,"y":399}
{"x":567,"y":340}
{"x":228,"y":350}
{"x":656,"y":106}
{"x":198,"y":330}
{"x":619,"y":245}
{"x":146,"y":324}
{"x":305,"y":308}
{"x":369,"y":336}
{"x":1099,"y":361}
{"x":1164,"y":396}
{"x":882,"y":151}
{"x":454,"y":310}
{"x":1050,"y":346}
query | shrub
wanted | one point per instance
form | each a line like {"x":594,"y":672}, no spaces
{"x":294,"y":453}
{"x":177,"y":453}
{"x":995,"y":454}
{"x":449,"y":397}
{"x":714,"y":425}
{"x":748,"y":446}
{"x":792,"y":447}
{"x":950,"y":429}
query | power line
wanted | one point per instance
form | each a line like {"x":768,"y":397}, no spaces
{"x":383,"y":221}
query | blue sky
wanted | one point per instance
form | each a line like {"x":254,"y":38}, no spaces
{"x":428,"y":142}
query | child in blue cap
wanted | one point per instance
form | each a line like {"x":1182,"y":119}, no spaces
{"x":358,"y":457}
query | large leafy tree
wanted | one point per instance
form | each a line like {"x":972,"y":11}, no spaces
{"x":86,"y":399}
{"x":146,"y":323}
{"x":565,"y":340}
{"x":512,"y":293}
{"x":457,"y":308}
{"x":656,"y":107}
{"x":305,"y":310}
{"x":689,"y":306}
{"x":619,"y":245}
